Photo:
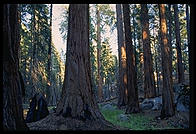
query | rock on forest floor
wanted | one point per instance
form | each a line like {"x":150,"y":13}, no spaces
{"x":145,"y":120}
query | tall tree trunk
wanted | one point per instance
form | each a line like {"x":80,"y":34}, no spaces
{"x":170,"y":37}
{"x":33,"y":33}
{"x":122,"y":100}
{"x":60,"y":84}
{"x":33,"y":58}
{"x":78,"y":100}
{"x":12,"y":86}
{"x":25,"y":78}
{"x":149,"y":83}
{"x":157,"y":73}
{"x":178,"y":46}
{"x":133,"y":104}
{"x":135,"y":48}
{"x":159,"y":60}
{"x":141,"y":63}
{"x":167,"y":91}
{"x":49,"y":84}
{"x":188,"y":30}
{"x":100,"y":90}
{"x":156,"y":63}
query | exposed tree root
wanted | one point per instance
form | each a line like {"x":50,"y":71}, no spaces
{"x":54,"y":122}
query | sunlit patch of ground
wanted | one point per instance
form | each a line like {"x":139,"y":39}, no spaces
{"x":147,"y":120}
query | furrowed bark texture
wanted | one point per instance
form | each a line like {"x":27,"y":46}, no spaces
{"x":178,"y":46}
{"x":78,"y":100}
{"x":122,"y":59}
{"x":149,"y":83}
{"x":12,"y":80}
{"x":133,"y":104}
{"x":167,"y":92}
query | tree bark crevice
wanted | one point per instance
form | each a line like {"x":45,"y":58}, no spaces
{"x":12,"y":80}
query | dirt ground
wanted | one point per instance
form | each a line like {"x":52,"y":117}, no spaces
{"x":179,"y":121}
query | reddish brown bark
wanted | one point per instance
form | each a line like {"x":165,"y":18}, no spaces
{"x":122,"y":101}
{"x":12,"y":81}
{"x":170,"y":37}
{"x":133,"y":104}
{"x":188,"y":31}
{"x":167,"y":91}
{"x":78,"y":100}
{"x":149,"y":83}
{"x":178,"y":46}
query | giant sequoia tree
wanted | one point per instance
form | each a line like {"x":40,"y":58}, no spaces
{"x":149,"y":83}
{"x":77,"y":100}
{"x":178,"y":46}
{"x":122,"y":59}
{"x":99,"y":78}
{"x":12,"y":80}
{"x":132,"y":104}
{"x":52,"y":99}
{"x":167,"y":91}
{"x":170,"y":35}
{"x":188,"y":28}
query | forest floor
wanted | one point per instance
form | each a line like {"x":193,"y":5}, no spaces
{"x":145,"y":120}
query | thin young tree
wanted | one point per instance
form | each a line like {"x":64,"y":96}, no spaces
{"x":12,"y":79}
{"x":168,"y":108}
{"x":132,"y":104}
{"x":178,"y":46}
{"x":149,"y":82}
{"x":122,"y":100}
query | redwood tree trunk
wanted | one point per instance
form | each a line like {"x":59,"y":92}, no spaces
{"x":170,"y":37}
{"x":156,"y":62}
{"x":167,"y":92}
{"x":178,"y":46}
{"x":133,"y":104}
{"x":122,"y":100}
{"x":188,"y":31}
{"x":32,"y":64}
{"x":52,"y":97}
{"x":12,"y":86}
{"x":149,"y":83}
{"x":99,"y":78}
{"x":78,"y":100}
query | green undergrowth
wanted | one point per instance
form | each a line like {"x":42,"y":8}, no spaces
{"x":51,"y":107}
{"x":136,"y":121}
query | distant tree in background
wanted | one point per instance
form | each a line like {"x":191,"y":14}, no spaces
{"x":35,"y":43}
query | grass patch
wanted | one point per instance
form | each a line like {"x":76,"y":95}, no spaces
{"x":51,"y":107}
{"x":138,"y":121}
{"x":135,"y":122}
